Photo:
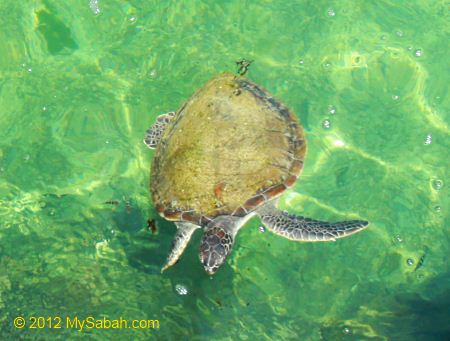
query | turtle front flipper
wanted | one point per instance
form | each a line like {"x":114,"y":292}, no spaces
{"x":305,"y":229}
{"x":182,"y":237}
{"x":153,"y":134}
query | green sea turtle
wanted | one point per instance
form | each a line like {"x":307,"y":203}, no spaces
{"x":226,"y":155}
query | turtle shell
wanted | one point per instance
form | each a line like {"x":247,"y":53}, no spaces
{"x":230,"y":148}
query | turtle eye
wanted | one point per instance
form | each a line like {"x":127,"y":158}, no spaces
{"x":214,"y":249}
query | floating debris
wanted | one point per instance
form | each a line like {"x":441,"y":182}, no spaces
{"x":243,"y":66}
{"x":428,"y":139}
{"x":421,"y":261}
{"x":418,"y":53}
{"x":410,"y":261}
{"x":112,"y":202}
{"x":262,"y":229}
{"x":151,"y":225}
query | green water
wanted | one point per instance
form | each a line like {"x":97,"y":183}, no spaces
{"x":80,"y":82}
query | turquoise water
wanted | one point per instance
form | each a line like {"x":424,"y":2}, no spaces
{"x":80,"y":82}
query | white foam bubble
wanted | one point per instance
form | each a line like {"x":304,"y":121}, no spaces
{"x":181,"y":289}
{"x":326,"y":124}
{"x":94,"y":6}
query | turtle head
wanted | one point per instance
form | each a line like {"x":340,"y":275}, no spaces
{"x":217,"y":242}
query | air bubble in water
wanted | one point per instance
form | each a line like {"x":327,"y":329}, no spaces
{"x":332,"y":109}
{"x":347,"y":330}
{"x":398,"y":238}
{"x":437,"y":184}
{"x":326,"y":124}
{"x":181,"y":289}
{"x":94,"y":6}
{"x":437,"y":208}
{"x":301,"y":62}
{"x":395,"y":97}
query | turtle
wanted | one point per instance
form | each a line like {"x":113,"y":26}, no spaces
{"x":227,"y":155}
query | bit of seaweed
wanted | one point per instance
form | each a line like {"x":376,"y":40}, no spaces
{"x":421,"y":261}
{"x":112,"y":202}
{"x":151,"y":225}
{"x":243,"y":66}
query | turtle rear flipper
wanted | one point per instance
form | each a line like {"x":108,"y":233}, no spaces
{"x":153,"y":134}
{"x":304,"y":229}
